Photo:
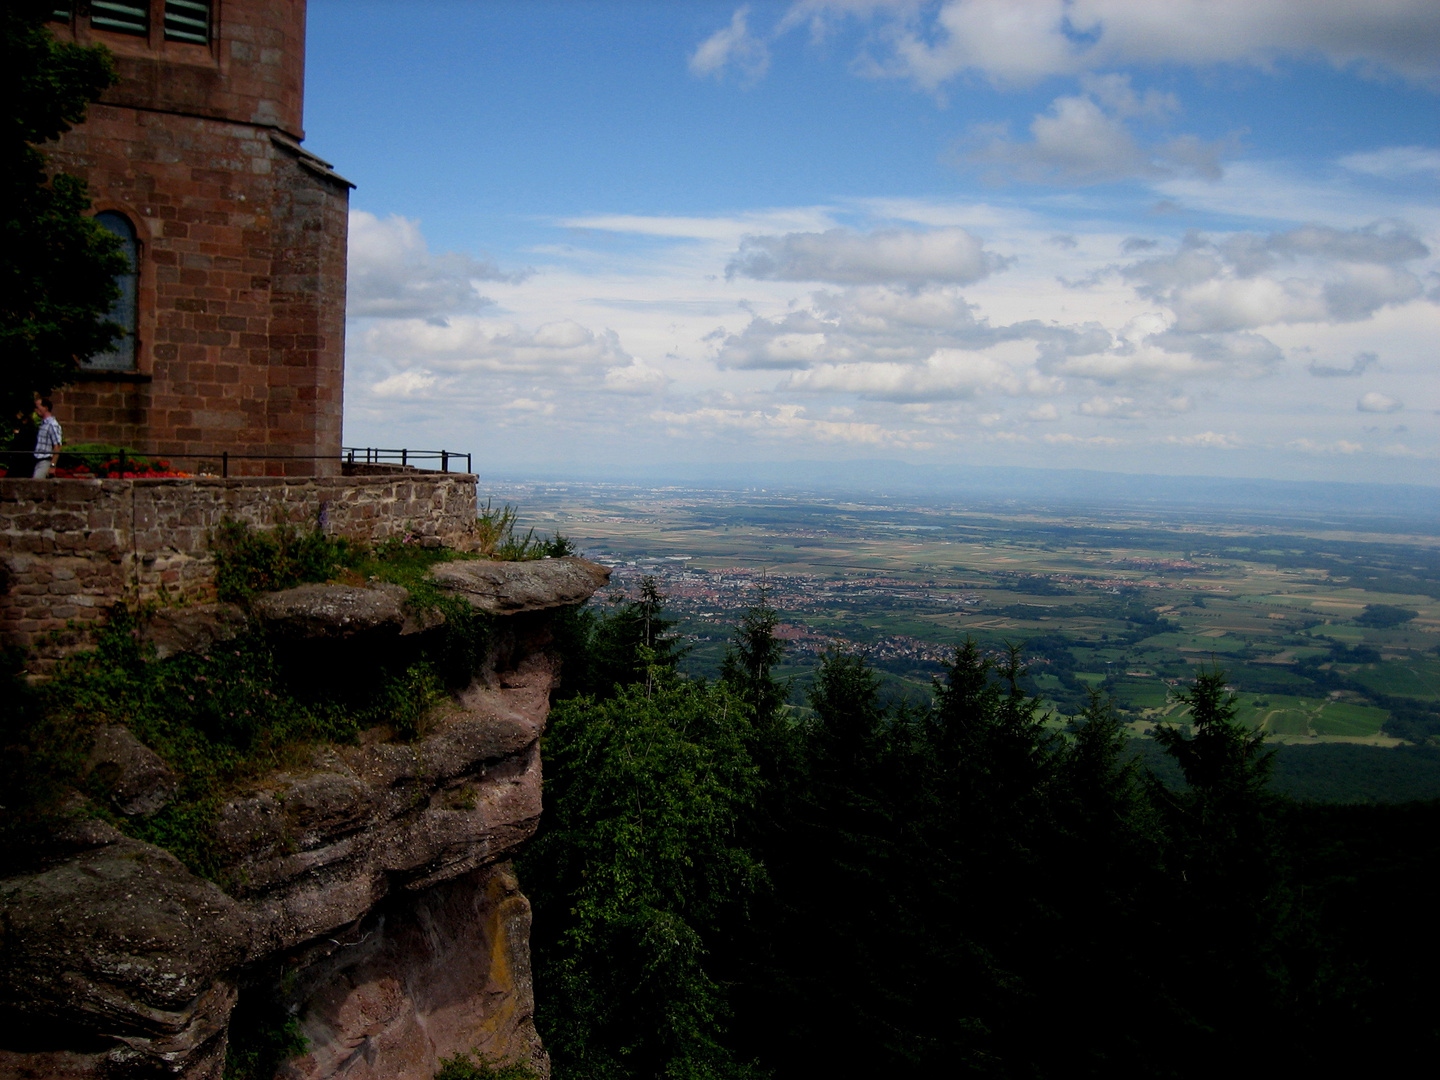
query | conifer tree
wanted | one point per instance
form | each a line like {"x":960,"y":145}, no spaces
{"x":750,"y":659}
{"x":620,"y":647}
{"x":1228,"y":879}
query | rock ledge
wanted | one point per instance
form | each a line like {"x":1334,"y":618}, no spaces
{"x":506,"y":588}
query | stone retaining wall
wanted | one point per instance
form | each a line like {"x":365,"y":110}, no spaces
{"x":69,"y":549}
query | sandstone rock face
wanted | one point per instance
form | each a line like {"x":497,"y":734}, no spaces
{"x":374,"y":877}
{"x":502,"y":588}
{"x":138,"y":781}
{"x":317,"y":849}
{"x":383,"y":1002}
{"x":124,"y":940}
{"x":332,"y":611}
{"x":191,"y":629}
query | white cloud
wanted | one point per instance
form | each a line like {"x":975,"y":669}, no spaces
{"x":636,"y":378}
{"x":1378,"y":403}
{"x":844,"y":257}
{"x":729,"y":229}
{"x":466,"y":343}
{"x":403,"y":385}
{"x":530,"y":405}
{"x":1021,"y":43}
{"x":587,"y":353}
{"x":948,"y":374}
{"x":1122,"y":408}
{"x":867,"y":324}
{"x":1116,"y":94}
{"x":393,"y":274}
{"x":1085,"y":139}
{"x":1358,"y":366}
{"x":1312,"y":446}
{"x":732,"y":47}
{"x":1076,"y":141}
{"x":1345,"y":275}
{"x":1067,"y":439}
{"x":1128,"y":408}
{"x":1384,"y":242}
{"x":1167,"y":356}
{"x":1209,"y":440}
{"x":1395,"y":162}
{"x":784,"y":422}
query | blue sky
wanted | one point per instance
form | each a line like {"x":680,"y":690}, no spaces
{"x":1198,"y":237}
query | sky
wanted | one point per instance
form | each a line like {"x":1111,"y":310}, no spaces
{"x":1199,"y":237}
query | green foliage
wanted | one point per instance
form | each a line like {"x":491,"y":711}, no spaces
{"x":217,"y":719}
{"x":263,"y":1035}
{"x":639,"y":865}
{"x":57,"y":265}
{"x":908,"y":889}
{"x":250,"y":561}
{"x":93,"y":456}
{"x":606,"y":651}
{"x":1384,"y":616}
{"x":1223,"y":757}
{"x":464,"y":1067}
{"x":495,"y":533}
{"x":750,"y":660}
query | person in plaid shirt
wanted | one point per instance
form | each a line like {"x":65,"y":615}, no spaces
{"x":47,"y":442}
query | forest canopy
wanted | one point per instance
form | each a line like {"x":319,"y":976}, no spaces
{"x":729,"y":886}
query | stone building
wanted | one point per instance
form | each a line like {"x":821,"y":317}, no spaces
{"x":235,"y":312}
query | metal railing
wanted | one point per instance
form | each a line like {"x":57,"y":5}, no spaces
{"x":349,"y":455}
{"x":379,"y":456}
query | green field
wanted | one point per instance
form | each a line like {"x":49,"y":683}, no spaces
{"x":1129,"y":601}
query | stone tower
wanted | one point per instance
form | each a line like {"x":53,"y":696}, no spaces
{"x":235,"y":311}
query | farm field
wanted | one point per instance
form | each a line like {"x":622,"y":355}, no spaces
{"x":1327,"y":632}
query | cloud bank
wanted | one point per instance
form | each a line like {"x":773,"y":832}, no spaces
{"x":889,"y":256}
{"x":392,"y":273}
{"x":1019,"y":44}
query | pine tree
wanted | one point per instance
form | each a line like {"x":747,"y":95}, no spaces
{"x":622,"y":646}
{"x":750,"y":660}
{"x":1228,"y":875}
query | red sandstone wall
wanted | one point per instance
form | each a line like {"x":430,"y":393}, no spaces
{"x":71,"y":548}
{"x":253,"y":71}
{"x":242,"y":248}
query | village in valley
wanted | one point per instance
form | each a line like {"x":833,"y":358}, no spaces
{"x":1327,"y":633}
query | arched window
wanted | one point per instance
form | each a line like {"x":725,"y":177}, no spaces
{"x":121,"y":357}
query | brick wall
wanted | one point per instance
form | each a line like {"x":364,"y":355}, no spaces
{"x":240,"y":333}
{"x":253,"y":70}
{"x":69,"y":549}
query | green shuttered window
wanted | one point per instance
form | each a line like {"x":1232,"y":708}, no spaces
{"x":187,"y":20}
{"x":118,"y":18}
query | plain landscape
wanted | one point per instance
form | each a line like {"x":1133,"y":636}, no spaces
{"x":1326,"y":624}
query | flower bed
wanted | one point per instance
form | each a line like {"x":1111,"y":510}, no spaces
{"x":116,"y":469}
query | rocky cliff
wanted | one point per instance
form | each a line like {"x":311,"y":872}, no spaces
{"x":369,"y":914}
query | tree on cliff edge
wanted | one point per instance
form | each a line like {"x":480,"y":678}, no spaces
{"x":57,"y":265}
